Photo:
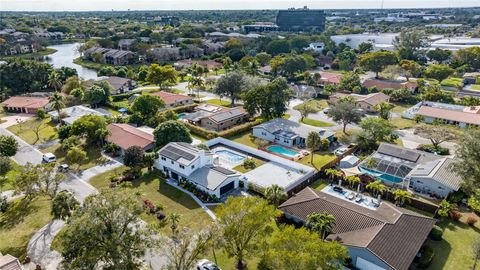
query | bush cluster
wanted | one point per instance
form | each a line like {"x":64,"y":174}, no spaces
{"x":426,"y":258}
{"x":203,"y":196}
{"x":432,"y":149}
{"x":436,"y":233}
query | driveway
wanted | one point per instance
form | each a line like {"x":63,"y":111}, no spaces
{"x":14,"y":119}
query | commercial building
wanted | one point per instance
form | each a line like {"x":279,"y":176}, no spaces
{"x":302,"y":19}
{"x":384,"y":237}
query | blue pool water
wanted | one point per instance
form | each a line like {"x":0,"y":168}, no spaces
{"x":282,"y":150}
{"x":381,"y":176}
{"x":181,"y":116}
{"x":230,"y":156}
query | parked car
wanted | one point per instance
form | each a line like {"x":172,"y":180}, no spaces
{"x":206,"y":265}
{"x":340,"y":151}
{"x":49,"y":158}
{"x":63,"y":167}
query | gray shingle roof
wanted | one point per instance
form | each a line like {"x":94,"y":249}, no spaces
{"x":211,"y":177}
{"x":226,"y":115}
{"x":393,"y":234}
{"x":440,"y":171}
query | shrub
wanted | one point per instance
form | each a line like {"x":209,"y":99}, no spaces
{"x":199,"y":131}
{"x":184,"y":108}
{"x":151,"y":208}
{"x":426,"y":258}
{"x":471,"y":221}
{"x":40,"y":114}
{"x":455,"y":215}
{"x":436,"y":233}
{"x":161,"y":215}
{"x":236,"y":130}
{"x":456,"y":197}
{"x":3,"y":204}
{"x":124,"y":96}
{"x":432,"y":149}
{"x":249,"y":163}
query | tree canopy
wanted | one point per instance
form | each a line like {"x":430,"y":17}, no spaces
{"x":232,"y":85}
{"x":377,"y":61}
{"x":171,"y":131}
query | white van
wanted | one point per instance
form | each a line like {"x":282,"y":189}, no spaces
{"x":49,"y":157}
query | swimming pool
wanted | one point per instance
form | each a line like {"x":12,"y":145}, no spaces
{"x":230,"y":156}
{"x":282,"y":150}
{"x":381,"y":176}
{"x":181,"y":116}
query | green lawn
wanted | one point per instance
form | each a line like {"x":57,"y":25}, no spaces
{"x":10,"y":177}
{"x":455,"y":250}
{"x":316,"y":123}
{"x":245,"y":138}
{"x":20,"y":222}
{"x":93,"y":154}
{"x":26,"y":129}
{"x":316,"y":104}
{"x":218,"y":102}
{"x":402,"y":123}
{"x":242,"y":169}
{"x":319,"y":159}
{"x":400,"y":108}
{"x":153,"y":188}
{"x":452,"y":82}
{"x":347,"y":138}
{"x":319,"y":184}
{"x":476,"y":87}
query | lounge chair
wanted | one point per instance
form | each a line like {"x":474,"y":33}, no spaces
{"x":351,"y":196}
{"x":359,"y":198}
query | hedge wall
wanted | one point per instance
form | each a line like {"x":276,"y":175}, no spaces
{"x":124,"y":96}
{"x":209,"y":134}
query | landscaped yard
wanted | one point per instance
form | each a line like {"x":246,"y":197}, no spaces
{"x":316,"y":123}
{"x":245,"y":138}
{"x":93,"y":154}
{"x":10,"y":177}
{"x":319,"y":184}
{"x":20,"y":222}
{"x":400,"y":108}
{"x":153,"y":188}
{"x":455,"y":250}
{"x":242,"y":169}
{"x":452,"y":82}
{"x":218,"y":102}
{"x":475,"y":87}
{"x":402,"y":123}
{"x":26,"y":131}
{"x":316,"y":104}
{"x":319,"y":159}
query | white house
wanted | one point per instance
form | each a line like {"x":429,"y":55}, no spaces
{"x":184,"y":162}
{"x":288,"y":133}
{"x":316,"y":46}
{"x":435,"y":177}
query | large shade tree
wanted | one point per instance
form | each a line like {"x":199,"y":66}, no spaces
{"x":171,"y":131}
{"x":232,"y":85}
{"x":270,"y":101}
{"x":106,"y":232}
{"x":377,"y":61}
{"x":345,"y":112}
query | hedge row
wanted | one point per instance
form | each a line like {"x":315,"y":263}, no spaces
{"x":123,"y":96}
{"x":184,"y":108}
{"x":236,"y":130}
{"x":201,"y":132}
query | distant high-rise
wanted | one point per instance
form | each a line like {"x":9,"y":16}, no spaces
{"x":302,"y":19}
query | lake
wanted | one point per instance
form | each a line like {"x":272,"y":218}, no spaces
{"x":64,"y":58}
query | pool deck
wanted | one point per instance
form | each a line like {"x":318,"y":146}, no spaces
{"x":366,"y":202}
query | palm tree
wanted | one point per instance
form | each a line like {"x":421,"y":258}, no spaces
{"x":371,"y":162}
{"x":352,"y":180}
{"x":253,"y":68}
{"x":313,"y":143}
{"x":383,"y":108}
{"x":57,"y":104}
{"x":332,"y":173}
{"x":196,"y":82}
{"x":377,"y":187}
{"x":401,"y":196}
{"x":175,"y":219}
{"x":54,"y":80}
{"x":322,"y":223}
{"x":275,"y":194}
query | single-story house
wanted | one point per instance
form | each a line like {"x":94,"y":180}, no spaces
{"x":174,"y":100}
{"x":364,"y":102}
{"x":217,"y":118}
{"x":349,"y":162}
{"x":288,"y":133}
{"x":329,"y":78}
{"x":382,"y":84}
{"x":384,"y":238}
{"x":8,"y":262}
{"x":461,"y":116}
{"x":435,"y":178}
{"x":424,"y":173}
{"x":120,"y":85}
{"x":305,"y":91}
{"x":125,"y":136}
{"x":71,"y":114}
{"x":24,"y":104}
{"x":184,"y":162}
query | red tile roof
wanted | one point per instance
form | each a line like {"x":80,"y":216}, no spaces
{"x":171,"y":98}
{"x":26,"y":102}
{"x":125,"y":136}
{"x":452,"y":115}
{"x":330,"y":77}
{"x":381,"y":84}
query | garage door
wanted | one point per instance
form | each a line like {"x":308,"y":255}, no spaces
{"x":363,"y":264}
{"x":227,"y":188}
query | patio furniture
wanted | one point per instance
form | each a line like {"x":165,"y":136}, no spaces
{"x":359,"y":198}
{"x":351,"y":196}
{"x":338,"y":189}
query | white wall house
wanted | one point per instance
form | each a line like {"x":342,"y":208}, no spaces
{"x":288,"y":133}
{"x":434,"y":178}
{"x":316,"y":46}
{"x":184,"y":162}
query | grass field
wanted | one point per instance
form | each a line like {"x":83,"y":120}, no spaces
{"x":455,"y":250}
{"x":94,"y":156}
{"x":402,"y":123}
{"x":316,"y":105}
{"x":452,"y":82}
{"x":316,"y":123}
{"x":154,"y":188}
{"x":319,"y":159}
{"x":10,"y":176}
{"x":26,"y":129}
{"x":245,"y":139}
{"x":20,"y":222}
{"x":218,"y":102}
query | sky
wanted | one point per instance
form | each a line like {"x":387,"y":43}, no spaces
{"x":94,"y":5}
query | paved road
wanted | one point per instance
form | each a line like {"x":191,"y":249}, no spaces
{"x":26,"y":153}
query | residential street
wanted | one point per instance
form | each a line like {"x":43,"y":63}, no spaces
{"x":26,"y":153}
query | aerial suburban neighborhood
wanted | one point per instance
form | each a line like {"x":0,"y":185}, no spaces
{"x":240,"y":135}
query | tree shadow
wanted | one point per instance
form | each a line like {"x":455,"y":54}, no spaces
{"x":16,"y":213}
